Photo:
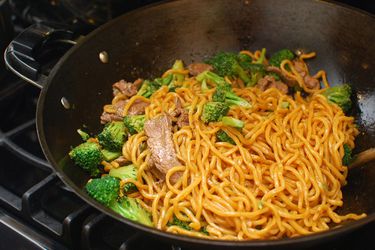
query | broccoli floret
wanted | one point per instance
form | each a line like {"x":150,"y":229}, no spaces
{"x":214,"y":111}
{"x":110,"y":155}
{"x":85,"y":136}
{"x":105,"y":190}
{"x":134,"y":123}
{"x":244,"y":60}
{"x":87,"y":156}
{"x":148,"y":88}
{"x":113,"y":136}
{"x":226,"y":64}
{"x":347,"y":158}
{"x":232,"y":122}
{"x":279,"y":56}
{"x":179,"y":223}
{"x":339,"y":95}
{"x":257,"y":71}
{"x":228,"y":96}
{"x":224,"y":137}
{"x":126,"y":172}
{"x":130,"y":209}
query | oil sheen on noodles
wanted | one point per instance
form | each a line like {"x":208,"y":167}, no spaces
{"x":283,"y":177}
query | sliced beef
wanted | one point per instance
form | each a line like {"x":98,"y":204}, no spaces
{"x":270,"y":82}
{"x":181,"y":113}
{"x":117,"y":116}
{"x":183,"y":119}
{"x":197,"y":68}
{"x":122,"y":161}
{"x":138,"y":107}
{"x":107,"y":117}
{"x":127,"y":88}
{"x":310,"y":81}
{"x":290,"y":81}
{"x":163,"y":154}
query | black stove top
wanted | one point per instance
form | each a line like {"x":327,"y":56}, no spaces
{"x":37,"y":211}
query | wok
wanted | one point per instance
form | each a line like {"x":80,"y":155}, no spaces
{"x":145,"y":42}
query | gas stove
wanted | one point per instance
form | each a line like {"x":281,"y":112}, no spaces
{"x":37,"y":211}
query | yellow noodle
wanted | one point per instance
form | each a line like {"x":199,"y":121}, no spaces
{"x":282,"y":178}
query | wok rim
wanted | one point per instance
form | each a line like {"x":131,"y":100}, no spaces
{"x":154,"y":232}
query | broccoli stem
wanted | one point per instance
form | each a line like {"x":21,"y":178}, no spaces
{"x":233,"y":99}
{"x":212,"y":77}
{"x":262,"y":57}
{"x":232,"y":122}
{"x":110,"y":155}
{"x":178,"y":65}
{"x":204,"y":86}
{"x":85,"y":136}
{"x":242,"y":74}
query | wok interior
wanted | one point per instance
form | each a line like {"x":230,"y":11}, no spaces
{"x":145,"y":43}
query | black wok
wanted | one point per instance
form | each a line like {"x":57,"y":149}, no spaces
{"x":145,"y":42}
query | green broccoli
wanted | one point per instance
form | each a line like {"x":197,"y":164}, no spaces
{"x":113,"y":136}
{"x":204,"y":231}
{"x":110,"y":155}
{"x":244,"y":60}
{"x":232,"y":122}
{"x":130,"y":209}
{"x":179,"y":223}
{"x":214,"y":111}
{"x":125,"y":172}
{"x":262,"y":56}
{"x":279,"y":56}
{"x":105,"y":190}
{"x":256,"y":71}
{"x":148,"y":88}
{"x":339,"y":95}
{"x":285,"y":105}
{"x":164,"y":81}
{"x":87,"y":156}
{"x":213,"y":78}
{"x":223,"y":95}
{"x":204,"y":86}
{"x":226,"y":64}
{"x":134,"y":123}
{"x":224,"y":137}
{"x":185,"y":225}
{"x":85,"y":136}
{"x":178,"y":65}
{"x":347,"y":158}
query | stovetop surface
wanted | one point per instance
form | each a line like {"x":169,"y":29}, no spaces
{"x":37,"y":211}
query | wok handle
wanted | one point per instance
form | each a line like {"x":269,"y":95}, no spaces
{"x":26,"y":53}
